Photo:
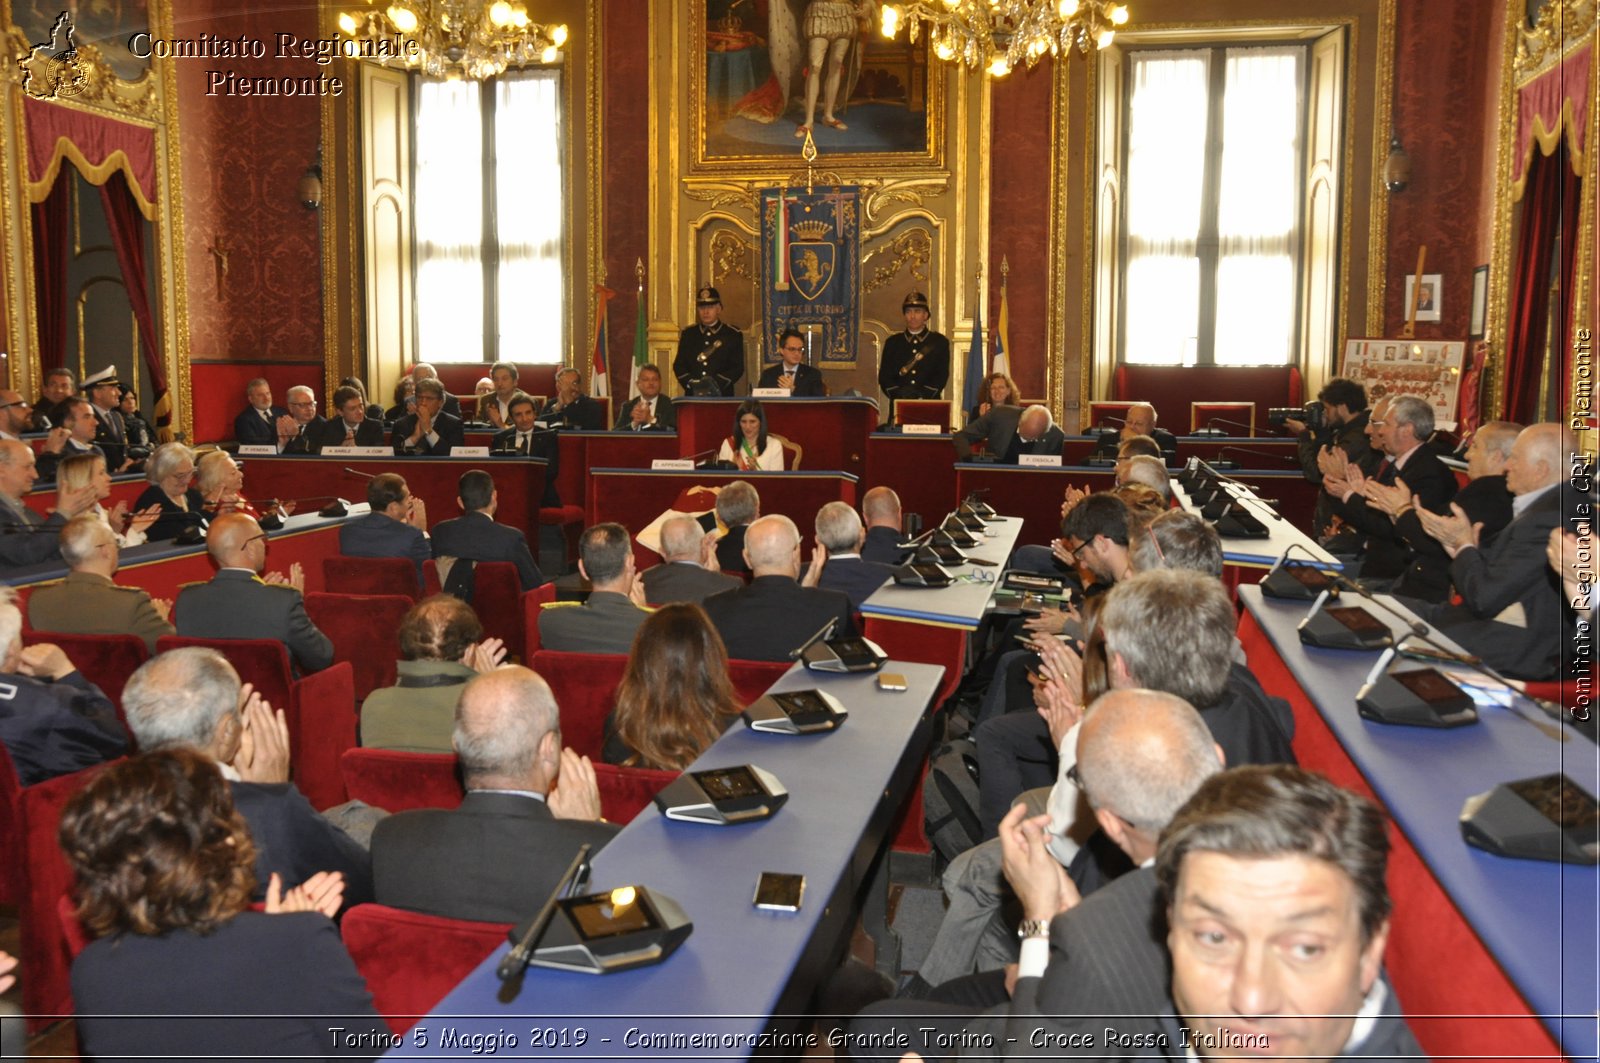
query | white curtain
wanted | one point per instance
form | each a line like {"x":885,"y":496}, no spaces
{"x":1166,"y":161}
{"x":1257,"y":213}
{"x":448,"y":213}
{"x":528,"y":199}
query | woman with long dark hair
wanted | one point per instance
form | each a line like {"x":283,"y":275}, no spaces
{"x":750,"y":447}
{"x":675,"y":697}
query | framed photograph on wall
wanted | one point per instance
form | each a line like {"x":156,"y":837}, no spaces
{"x":1428,"y":300}
{"x":1480,"y":302}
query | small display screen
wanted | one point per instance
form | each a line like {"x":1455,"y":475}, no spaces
{"x":949,"y":555}
{"x":725,"y":784}
{"x":1357,"y":619}
{"x":1559,"y":800}
{"x":779,"y":890}
{"x":603,"y":915}
{"x":804,"y":706}
{"x":849,"y":647}
{"x":1429,"y":685}
{"x":1316,"y":579}
{"x":931,"y":573}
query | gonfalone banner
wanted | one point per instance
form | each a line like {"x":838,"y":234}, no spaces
{"x":811,"y":256}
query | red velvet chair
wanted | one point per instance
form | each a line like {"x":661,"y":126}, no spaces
{"x":1202,"y":413}
{"x":585,"y":686}
{"x":318,"y":708}
{"x":625,"y":792}
{"x":751,"y":679}
{"x":532,"y":602}
{"x":396,"y":781}
{"x":11,"y":874}
{"x":411,"y":960}
{"x":364,"y":630}
{"x":46,"y":878}
{"x":105,"y":660}
{"x":923,"y":411}
{"x":371,"y":575}
{"x":570,"y":519}
{"x":72,"y":931}
{"x":496,"y":597}
{"x":1098,"y":410}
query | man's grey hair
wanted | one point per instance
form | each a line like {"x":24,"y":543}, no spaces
{"x":257,"y":382}
{"x":1408,"y":409}
{"x":1154,"y":416}
{"x":838,"y":527}
{"x":179,"y":697}
{"x":166,"y":458}
{"x":738,"y":503}
{"x":301,"y":389}
{"x":567,"y":371}
{"x":10,"y":620}
{"x":1173,"y":631}
{"x":766,"y":551}
{"x":1499,"y":437}
{"x":81,"y":537}
{"x":1146,"y":753}
{"x":680,"y":539}
{"x":430,"y":386}
{"x":500,"y":720}
{"x":1177,"y":539}
{"x":1152,"y":472}
{"x":1049,"y":420}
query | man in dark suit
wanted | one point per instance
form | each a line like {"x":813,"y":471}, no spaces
{"x":1511,"y":612}
{"x":191,"y":697}
{"x":1010,"y":432}
{"x":682,"y":576}
{"x":529,"y":806}
{"x":475,"y":536}
{"x":74,"y":436}
{"x":396,"y":527}
{"x":305,"y":423}
{"x":839,"y":531}
{"x":776,"y":613}
{"x":59,"y":386}
{"x":352,"y":428}
{"x":423,"y":371}
{"x":1399,"y":427}
{"x":238,"y":604}
{"x":258,"y":424}
{"x":607,"y":621}
{"x":25,"y":537}
{"x":790,"y":372}
{"x":880,"y":510}
{"x":429,"y":430}
{"x":104,"y":392}
{"x":1088,"y":963}
{"x":738,"y":505}
{"x":1141,"y":421}
{"x":572,"y":408}
{"x":526,"y":439}
{"x":649,"y":410}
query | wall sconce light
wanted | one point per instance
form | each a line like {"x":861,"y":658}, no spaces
{"x":310,"y":190}
{"x":1397,"y":169}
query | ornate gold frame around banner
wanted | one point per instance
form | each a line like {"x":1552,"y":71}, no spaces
{"x":150,"y":100}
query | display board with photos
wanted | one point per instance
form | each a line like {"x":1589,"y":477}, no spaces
{"x":1429,"y":369}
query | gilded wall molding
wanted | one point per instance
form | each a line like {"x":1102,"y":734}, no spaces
{"x":1563,"y":26}
{"x":1493,"y":403}
{"x":912,"y":247}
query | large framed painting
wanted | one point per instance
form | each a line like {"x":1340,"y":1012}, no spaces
{"x":764,"y":72}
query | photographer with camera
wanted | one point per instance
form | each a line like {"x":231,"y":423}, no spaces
{"x":1336,"y":422}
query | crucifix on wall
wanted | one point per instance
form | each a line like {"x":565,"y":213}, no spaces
{"x":219,"y":253}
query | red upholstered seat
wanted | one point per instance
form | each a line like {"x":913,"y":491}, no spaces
{"x":752,"y":678}
{"x":1098,"y":411}
{"x":371,"y":575}
{"x":10,"y":830}
{"x":532,"y":602}
{"x":624,"y":792}
{"x":319,"y":709}
{"x":396,"y":781}
{"x":496,"y":596}
{"x":105,"y":660}
{"x":67,"y":915}
{"x":1170,"y":388}
{"x":1201,"y":415}
{"x":46,"y":878}
{"x":585,"y":686}
{"x":364,"y":630}
{"x":923,"y":411}
{"x":411,"y":960}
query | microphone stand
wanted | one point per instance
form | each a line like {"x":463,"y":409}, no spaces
{"x":516,"y":961}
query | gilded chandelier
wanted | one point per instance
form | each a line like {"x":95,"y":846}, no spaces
{"x":999,"y":35}
{"x":471,"y":39}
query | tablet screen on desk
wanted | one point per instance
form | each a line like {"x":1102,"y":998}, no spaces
{"x":1357,"y":619}
{"x":1559,"y":800}
{"x":603,"y":915}
{"x":724,"y":784}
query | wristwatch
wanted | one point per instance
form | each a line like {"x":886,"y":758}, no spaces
{"x":1033,"y":928}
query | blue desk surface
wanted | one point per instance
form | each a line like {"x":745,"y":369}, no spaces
{"x":963,"y":603}
{"x":731,"y":973}
{"x":1538,"y":920}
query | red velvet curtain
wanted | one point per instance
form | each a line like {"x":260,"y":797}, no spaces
{"x":51,"y":219}
{"x":127,"y":227}
{"x":1550,"y":208}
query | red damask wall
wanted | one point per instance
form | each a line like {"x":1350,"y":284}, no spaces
{"x":625,"y":136}
{"x":242,"y":161}
{"x":1019,"y":208}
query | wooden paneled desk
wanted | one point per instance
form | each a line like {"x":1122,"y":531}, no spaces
{"x":832,"y":432}
{"x":126,"y":488}
{"x":918,"y":468}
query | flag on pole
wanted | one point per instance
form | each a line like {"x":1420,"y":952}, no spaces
{"x":974,"y":372}
{"x":641,"y":347}
{"x":598,"y":381}
{"x":1002,"y":362}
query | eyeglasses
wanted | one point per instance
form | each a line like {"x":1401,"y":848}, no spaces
{"x":20,"y":402}
{"x":253,"y":538}
{"x":1077,"y":551}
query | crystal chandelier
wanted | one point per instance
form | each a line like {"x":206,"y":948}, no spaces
{"x":999,"y":35}
{"x":471,"y":39}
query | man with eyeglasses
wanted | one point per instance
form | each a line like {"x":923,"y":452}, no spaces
{"x":16,"y":414}
{"x":790,"y":371}
{"x":239,"y":603}
{"x":295,"y":435}
{"x":88,"y":602}
{"x":25,"y":537}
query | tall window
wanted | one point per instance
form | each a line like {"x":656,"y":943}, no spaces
{"x":1214,"y":164}
{"x":487,"y":212}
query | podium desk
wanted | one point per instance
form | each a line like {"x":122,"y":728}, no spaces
{"x":1262,"y":553}
{"x":520,"y":482}
{"x":743,"y":971}
{"x":162,"y":568}
{"x":1031,"y":493}
{"x":1267,"y":452}
{"x":831,"y":432}
{"x":918,"y":468}
{"x":1498,"y":949}
{"x":125,"y":488}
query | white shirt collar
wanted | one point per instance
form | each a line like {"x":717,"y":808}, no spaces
{"x":535,"y":794}
{"x":1400,"y":462}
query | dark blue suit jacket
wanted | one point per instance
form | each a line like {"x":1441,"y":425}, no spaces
{"x":378,"y":535}
{"x":857,"y":578}
{"x":451,"y":434}
{"x":478,"y":537}
{"x":251,"y":430}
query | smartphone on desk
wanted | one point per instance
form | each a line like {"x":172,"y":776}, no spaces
{"x":778,"y":891}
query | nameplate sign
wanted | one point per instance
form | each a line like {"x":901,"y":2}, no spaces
{"x":769,"y":393}
{"x":258,"y":448}
{"x":357,"y":452}
{"x":922,"y":429}
{"x":672,"y":464}
{"x":483,"y":452}
{"x":1044,"y":461}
